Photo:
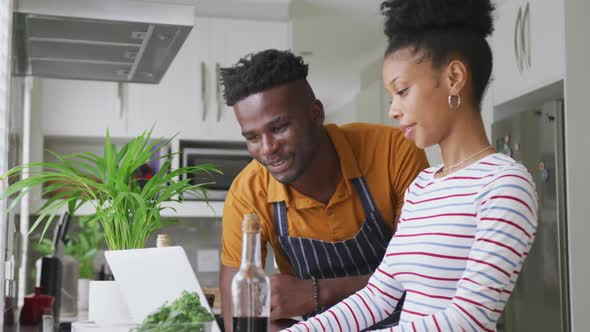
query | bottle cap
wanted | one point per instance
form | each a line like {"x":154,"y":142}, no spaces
{"x":163,"y":240}
{"x":251,"y":223}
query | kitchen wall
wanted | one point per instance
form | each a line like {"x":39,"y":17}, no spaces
{"x":347,"y":75}
{"x":577,"y":118}
{"x":12,"y":220}
{"x":336,"y":53}
{"x":5,"y":43}
{"x":369,"y":101}
{"x":200,"y":238}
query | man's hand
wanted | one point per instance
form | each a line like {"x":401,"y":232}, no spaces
{"x":289,"y":296}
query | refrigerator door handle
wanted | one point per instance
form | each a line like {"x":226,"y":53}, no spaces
{"x":562,"y":229}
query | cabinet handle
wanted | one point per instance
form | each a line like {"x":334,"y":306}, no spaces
{"x":218,"y":91}
{"x":204,"y":89}
{"x":526,"y":35}
{"x":517,"y":44}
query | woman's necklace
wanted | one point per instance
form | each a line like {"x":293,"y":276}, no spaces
{"x":446,"y":169}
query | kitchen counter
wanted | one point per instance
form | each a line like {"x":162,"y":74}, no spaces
{"x":65,"y":324}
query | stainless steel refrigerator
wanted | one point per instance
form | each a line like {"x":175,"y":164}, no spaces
{"x":540,"y":301}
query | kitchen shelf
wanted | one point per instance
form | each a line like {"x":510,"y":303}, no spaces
{"x":186,"y":209}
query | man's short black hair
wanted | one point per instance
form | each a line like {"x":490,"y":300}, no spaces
{"x":259,"y":72}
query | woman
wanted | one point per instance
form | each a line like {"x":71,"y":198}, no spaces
{"x":468,"y":224}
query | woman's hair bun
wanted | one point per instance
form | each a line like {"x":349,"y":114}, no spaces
{"x":415,"y":16}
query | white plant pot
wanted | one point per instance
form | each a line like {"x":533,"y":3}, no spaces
{"x":83,"y":293}
{"x":107,"y":306}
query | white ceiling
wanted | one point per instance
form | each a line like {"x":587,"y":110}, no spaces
{"x":361,"y":9}
{"x":358,"y":7}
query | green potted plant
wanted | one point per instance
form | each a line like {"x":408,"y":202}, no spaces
{"x":128,"y":209}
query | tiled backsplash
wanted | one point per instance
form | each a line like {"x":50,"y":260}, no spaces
{"x":5,"y":40}
{"x":201,"y":239}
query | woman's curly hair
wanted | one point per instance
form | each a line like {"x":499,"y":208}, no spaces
{"x":442,"y":29}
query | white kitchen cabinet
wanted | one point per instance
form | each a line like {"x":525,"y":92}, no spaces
{"x":80,"y":108}
{"x":231,"y":40}
{"x":528,"y":47}
{"x":175,"y":104}
{"x":189,"y":99}
{"x":547,"y":42}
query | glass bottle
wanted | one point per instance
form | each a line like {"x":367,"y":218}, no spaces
{"x":70,"y":273}
{"x":250,"y":286}
{"x":69,"y":287}
{"x":162,"y":241}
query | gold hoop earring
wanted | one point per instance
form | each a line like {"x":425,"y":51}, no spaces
{"x":452,"y":105}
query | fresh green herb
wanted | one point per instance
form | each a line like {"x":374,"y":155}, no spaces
{"x":182,"y":315}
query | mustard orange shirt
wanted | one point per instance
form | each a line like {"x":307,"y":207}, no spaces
{"x":380,"y":153}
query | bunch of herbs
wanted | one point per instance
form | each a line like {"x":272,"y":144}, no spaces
{"x":185,"y":314}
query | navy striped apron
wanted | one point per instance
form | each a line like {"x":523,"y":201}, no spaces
{"x":357,"y":256}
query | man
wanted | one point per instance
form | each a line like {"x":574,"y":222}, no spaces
{"x":327,"y":196}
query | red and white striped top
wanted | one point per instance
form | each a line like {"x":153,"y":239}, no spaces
{"x":458,"y":250}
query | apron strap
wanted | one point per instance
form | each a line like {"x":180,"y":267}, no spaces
{"x":280,"y":218}
{"x":362,"y":189}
